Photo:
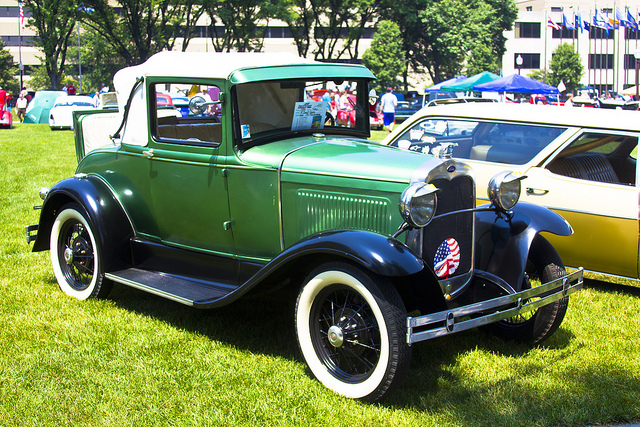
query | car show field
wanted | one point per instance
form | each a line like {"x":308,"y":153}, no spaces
{"x":138,"y":359}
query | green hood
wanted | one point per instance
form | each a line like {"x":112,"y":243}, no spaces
{"x":337,"y":157}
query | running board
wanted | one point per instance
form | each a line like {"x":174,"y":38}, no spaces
{"x":174,"y":288}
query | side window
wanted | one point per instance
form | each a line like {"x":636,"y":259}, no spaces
{"x":175,"y":122}
{"x":601,"y":157}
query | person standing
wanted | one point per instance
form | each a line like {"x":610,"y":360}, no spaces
{"x":388,"y":103}
{"x":21,"y":106}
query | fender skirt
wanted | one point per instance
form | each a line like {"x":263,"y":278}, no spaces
{"x":111,"y":225}
{"x":502,"y":247}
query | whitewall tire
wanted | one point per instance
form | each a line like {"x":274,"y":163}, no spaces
{"x":76,"y":255}
{"x":351,"y":330}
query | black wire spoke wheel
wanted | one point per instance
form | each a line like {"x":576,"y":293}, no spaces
{"x":535,"y":326}
{"x":526,"y":315}
{"x":351,"y":328}
{"x":346,"y":336}
{"x":77,"y":253}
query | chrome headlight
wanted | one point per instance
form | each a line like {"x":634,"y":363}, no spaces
{"x":504,"y":189}
{"x":418,"y":204}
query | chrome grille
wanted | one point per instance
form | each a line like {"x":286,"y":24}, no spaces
{"x":454,"y":195}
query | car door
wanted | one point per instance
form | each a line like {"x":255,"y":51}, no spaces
{"x":187,"y":172}
{"x":592,"y":182}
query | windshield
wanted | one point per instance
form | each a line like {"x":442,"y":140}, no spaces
{"x":498,"y":142}
{"x":298,"y":106}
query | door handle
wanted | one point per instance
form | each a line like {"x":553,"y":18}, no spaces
{"x":148,"y":153}
{"x":536,"y":191}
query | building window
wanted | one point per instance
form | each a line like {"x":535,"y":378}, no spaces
{"x":557,"y":9}
{"x":629,"y":61}
{"x":564,"y":34}
{"x":631,"y":34}
{"x":601,"y":61}
{"x":529,"y":60}
{"x":529,"y":8}
{"x":600,"y":33}
{"x":527,"y":30}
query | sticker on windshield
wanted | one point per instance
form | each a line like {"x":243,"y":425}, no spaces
{"x":447,"y":258}
{"x":246,"y":133}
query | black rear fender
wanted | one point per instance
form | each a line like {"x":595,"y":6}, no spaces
{"x":111,"y":225}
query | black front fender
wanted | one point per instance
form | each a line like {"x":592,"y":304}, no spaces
{"x":502,"y":246}
{"x":111,"y":225}
{"x":381,"y":254}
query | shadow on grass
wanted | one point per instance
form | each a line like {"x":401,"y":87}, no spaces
{"x":601,"y":285}
{"x":436,"y":382}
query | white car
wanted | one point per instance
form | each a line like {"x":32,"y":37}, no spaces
{"x":61,"y":114}
{"x":580,"y":162}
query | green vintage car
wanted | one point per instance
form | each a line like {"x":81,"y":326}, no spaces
{"x":260,"y":187}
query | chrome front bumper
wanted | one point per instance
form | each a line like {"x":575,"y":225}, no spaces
{"x":490,"y":311}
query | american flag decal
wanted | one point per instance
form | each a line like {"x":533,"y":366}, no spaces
{"x":447,"y":258}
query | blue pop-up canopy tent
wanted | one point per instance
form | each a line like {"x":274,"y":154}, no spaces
{"x":516,"y":83}
{"x":468,"y":84}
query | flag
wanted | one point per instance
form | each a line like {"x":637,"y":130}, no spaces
{"x":447,"y":258}
{"x":553,"y":25}
{"x":621,"y":18}
{"x":631,"y":20}
{"x":613,"y":23}
{"x":600,"y":22}
{"x":578,"y":21}
{"x":566,"y":23}
{"x":562,"y":87}
{"x":21,"y":16}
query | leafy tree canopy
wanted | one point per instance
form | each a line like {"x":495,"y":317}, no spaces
{"x":566,"y":66}
{"x":53,"y":21}
{"x":385,"y":58}
{"x":8,"y":70}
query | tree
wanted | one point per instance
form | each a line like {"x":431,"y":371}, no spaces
{"x":384,"y":58}
{"x":445,"y":37}
{"x":566,"y":66}
{"x":328,"y":29}
{"x":139,"y":29}
{"x":98,"y":59}
{"x":53,"y":21}
{"x":8,"y":71}
{"x":244,"y":22}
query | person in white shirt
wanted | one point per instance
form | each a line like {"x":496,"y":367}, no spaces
{"x":388,"y":104}
{"x":21,"y":106}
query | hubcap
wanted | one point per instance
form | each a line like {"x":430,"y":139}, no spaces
{"x":335,"y":336}
{"x":68,"y":255}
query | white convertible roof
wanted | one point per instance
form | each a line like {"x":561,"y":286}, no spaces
{"x":197,"y":64}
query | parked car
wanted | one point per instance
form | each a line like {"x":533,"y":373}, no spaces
{"x":40,"y":106}
{"x":581,"y":163}
{"x":407,"y":108}
{"x":268,"y":191}
{"x":6,"y":118}
{"x":462,"y":100}
{"x":61,"y":114}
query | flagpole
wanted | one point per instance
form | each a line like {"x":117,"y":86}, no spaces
{"x":20,"y":66}
{"x":546,"y":32}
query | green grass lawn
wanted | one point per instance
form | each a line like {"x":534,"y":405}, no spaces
{"x":135,"y":360}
